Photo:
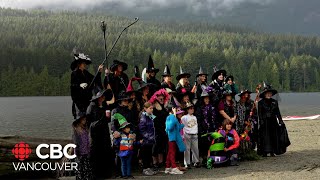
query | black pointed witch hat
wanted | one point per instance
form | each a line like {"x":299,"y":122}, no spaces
{"x":166,"y":71}
{"x":201,"y":72}
{"x":268,"y":88}
{"x":151,"y":67}
{"x":217,"y":72}
{"x":182,"y":74}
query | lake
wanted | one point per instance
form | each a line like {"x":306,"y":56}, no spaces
{"x":50,"y":117}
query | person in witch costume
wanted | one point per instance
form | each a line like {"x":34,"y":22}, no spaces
{"x":184,"y":99}
{"x":218,"y":83}
{"x":100,"y":147}
{"x":207,"y":117}
{"x":245,"y":122}
{"x":232,"y":141}
{"x":123,"y":110}
{"x":81,"y":140}
{"x":201,"y":84}
{"x":81,"y":93}
{"x":117,"y":79}
{"x":227,"y":107}
{"x":175,"y":142}
{"x":183,"y":87}
{"x":231,"y":85}
{"x":244,"y":106}
{"x":271,"y":125}
{"x":125,"y":141}
{"x":151,"y":76}
{"x":144,"y":89}
{"x":167,"y":78}
{"x":158,"y":101}
{"x":135,"y":104}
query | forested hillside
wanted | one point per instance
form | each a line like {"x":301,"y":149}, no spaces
{"x":36,"y":46}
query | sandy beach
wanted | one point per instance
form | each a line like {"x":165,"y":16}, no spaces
{"x":301,"y":161}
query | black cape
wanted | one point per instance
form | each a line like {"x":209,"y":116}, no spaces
{"x":273,"y":137}
{"x":81,"y":97}
{"x":101,"y":153}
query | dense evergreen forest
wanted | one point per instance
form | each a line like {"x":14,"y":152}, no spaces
{"x":36,"y":51}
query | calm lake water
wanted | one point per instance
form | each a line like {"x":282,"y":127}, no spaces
{"x":50,"y":117}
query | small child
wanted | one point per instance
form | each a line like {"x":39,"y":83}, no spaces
{"x":81,"y":139}
{"x":231,"y":86}
{"x":147,"y":132}
{"x":232,"y":141}
{"x":125,"y":141}
{"x":191,"y":136}
{"x":173,"y":128}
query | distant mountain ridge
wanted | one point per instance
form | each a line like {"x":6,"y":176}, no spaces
{"x":282,"y":16}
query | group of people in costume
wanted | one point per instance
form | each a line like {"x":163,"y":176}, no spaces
{"x":162,"y":125}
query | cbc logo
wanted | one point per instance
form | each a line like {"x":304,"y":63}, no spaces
{"x":22,"y":151}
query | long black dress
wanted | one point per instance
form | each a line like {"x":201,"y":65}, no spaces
{"x":101,"y":153}
{"x":271,"y":128}
{"x":81,"y":96}
{"x":160,"y":126}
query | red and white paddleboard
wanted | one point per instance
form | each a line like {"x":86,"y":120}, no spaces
{"x":291,"y":118}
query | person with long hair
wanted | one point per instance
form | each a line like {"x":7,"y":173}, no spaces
{"x":158,"y":100}
{"x":175,"y":143}
{"x":232,"y":141}
{"x":201,"y":85}
{"x":81,"y":140}
{"x":116,"y":77}
{"x":217,"y":84}
{"x":207,"y":117}
{"x":167,"y":79}
{"x":183,"y":87}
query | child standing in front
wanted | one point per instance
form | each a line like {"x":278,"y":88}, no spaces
{"x":125,"y":141}
{"x":190,"y":136}
{"x":147,"y":132}
{"x":81,"y":140}
{"x":173,"y":128}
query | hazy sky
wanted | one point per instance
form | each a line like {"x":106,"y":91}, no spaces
{"x":194,"y":6}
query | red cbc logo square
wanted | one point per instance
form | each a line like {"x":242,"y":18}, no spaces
{"x":21,"y":151}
